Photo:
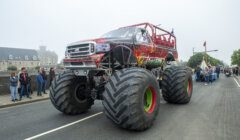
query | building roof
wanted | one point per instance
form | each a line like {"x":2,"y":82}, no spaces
{"x":18,"y":54}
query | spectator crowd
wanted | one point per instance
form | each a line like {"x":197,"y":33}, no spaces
{"x":211,"y":73}
{"x":20,"y":85}
{"x":208,"y":74}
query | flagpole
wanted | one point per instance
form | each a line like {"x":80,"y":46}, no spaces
{"x":206,"y":53}
{"x":205,"y":46}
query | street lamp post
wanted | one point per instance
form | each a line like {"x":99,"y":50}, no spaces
{"x":205,"y":51}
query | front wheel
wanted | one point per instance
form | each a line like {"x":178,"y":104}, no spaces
{"x":69,"y":94}
{"x":131,"y":98}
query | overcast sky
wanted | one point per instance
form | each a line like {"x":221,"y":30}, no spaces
{"x":56,"y":23}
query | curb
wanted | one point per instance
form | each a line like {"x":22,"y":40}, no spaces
{"x":24,"y":102}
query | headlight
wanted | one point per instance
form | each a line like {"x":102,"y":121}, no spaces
{"x":102,"y":47}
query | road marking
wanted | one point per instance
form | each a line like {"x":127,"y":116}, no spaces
{"x":236,"y":81}
{"x":61,"y":127}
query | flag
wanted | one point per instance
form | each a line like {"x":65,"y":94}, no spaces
{"x":205,"y":43}
{"x":203,"y":64}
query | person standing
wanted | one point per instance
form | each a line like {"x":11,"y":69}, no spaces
{"x":210,"y":73}
{"x":237,"y":71}
{"x":13,"y":86}
{"x":51,"y":75}
{"x":40,"y":81}
{"x":19,"y":84}
{"x":218,"y":71}
{"x":206,"y":74}
{"x":234,"y":70}
{"x":198,"y":72}
{"x":24,"y":83}
{"x":44,"y":76}
{"x":29,"y":86}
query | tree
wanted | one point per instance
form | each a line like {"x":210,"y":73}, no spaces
{"x":60,"y":66}
{"x":198,"y":57}
{"x":37,"y":67}
{"x":11,"y":68}
{"x":236,"y":57}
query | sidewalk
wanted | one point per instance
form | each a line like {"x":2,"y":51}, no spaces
{"x":5,"y":100}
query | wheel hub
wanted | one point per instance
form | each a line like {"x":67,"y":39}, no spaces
{"x":149,"y":100}
{"x":189,"y":87}
{"x":80,"y":93}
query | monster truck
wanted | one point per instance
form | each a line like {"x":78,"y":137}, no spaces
{"x":125,"y":68}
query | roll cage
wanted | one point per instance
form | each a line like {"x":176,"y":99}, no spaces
{"x":158,"y":35}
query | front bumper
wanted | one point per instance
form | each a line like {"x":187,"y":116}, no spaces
{"x":79,"y":63}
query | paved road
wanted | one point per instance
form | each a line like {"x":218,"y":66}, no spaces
{"x":212,"y":114}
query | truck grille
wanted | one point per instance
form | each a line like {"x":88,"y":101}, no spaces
{"x":81,"y":50}
{"x":76,"y":63}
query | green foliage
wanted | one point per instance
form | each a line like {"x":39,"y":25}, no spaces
{"x":197,"y":59}
{"x":60,"y":66}
{"x":11,"y":68}
{"x":37,"y":67}
{"x":236,"y":57}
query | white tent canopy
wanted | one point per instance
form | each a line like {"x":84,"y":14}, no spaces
{"x":203,"y":64}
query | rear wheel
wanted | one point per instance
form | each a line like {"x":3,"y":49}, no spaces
{"x":177,"y":84}
{"x":131,"y":98}
{"x":69,"y":94}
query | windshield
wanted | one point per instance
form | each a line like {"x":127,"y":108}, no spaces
{"x":127,"y":32}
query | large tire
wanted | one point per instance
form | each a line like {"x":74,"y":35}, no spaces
{"x":68,"y":94}
{"x":177,"y":84}
{"x":131,"y":98}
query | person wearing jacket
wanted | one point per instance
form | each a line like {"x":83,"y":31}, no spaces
{"x":40,"y":82}
{"x":206,"y":74}
{"x":13,"y":86}
{"x":44,"y":76}
{"x":198,"y":72}
{"x":210,"y":74}
{"x":24,"y":79}
{"x":51,"y":76}
{"x":218,"y":71}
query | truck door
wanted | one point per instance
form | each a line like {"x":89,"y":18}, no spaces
{"x":144,"y":44}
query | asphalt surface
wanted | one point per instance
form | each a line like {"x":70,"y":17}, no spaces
{"x":212,"y":114}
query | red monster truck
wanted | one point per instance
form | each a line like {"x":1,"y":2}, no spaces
{"x":125,"y":68}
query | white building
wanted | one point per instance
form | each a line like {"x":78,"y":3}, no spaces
{"x":47,"y":58}
{"x":18,"y":57}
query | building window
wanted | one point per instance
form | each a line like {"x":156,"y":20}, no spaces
{"x":10,"y":57}
{"x":26,"y":57}
{"x":34,"y":57}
